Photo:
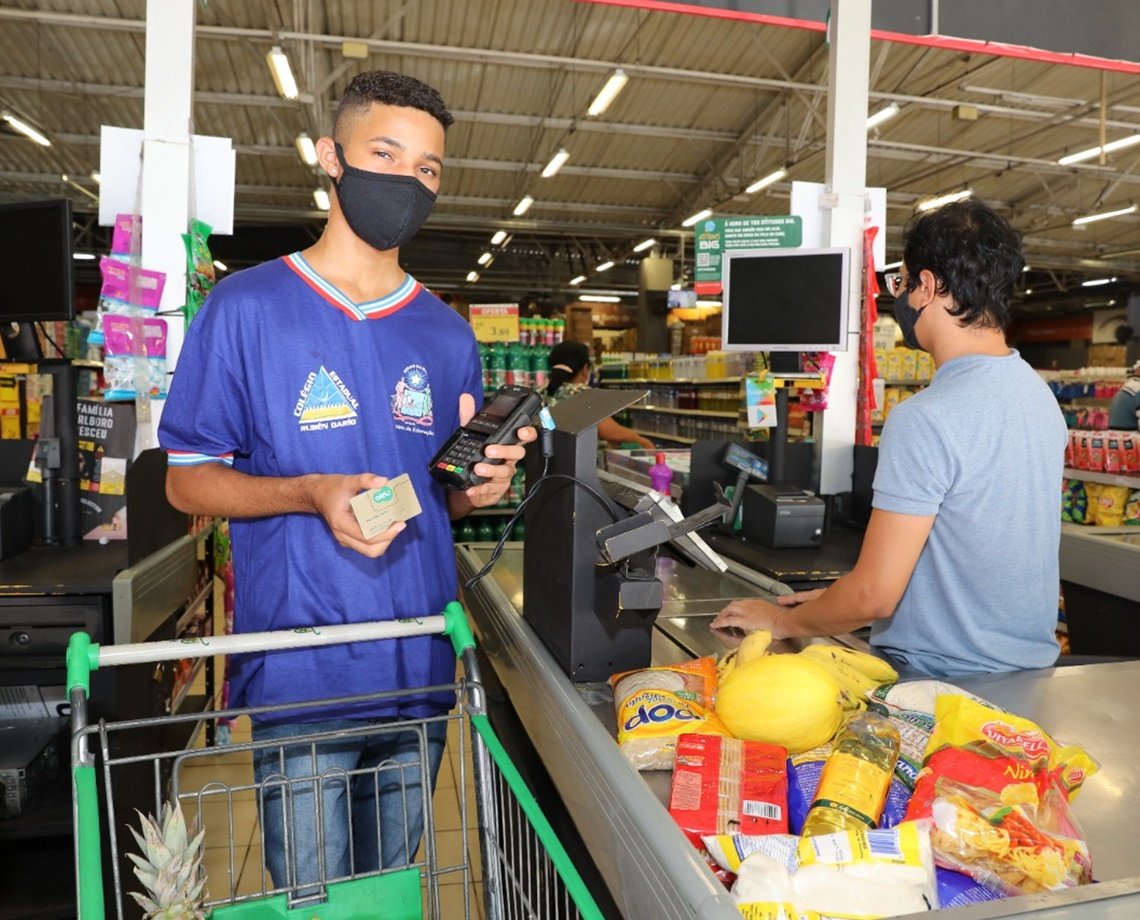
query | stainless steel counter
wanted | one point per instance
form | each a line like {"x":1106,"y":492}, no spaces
{"x":651,"y":870}
{"x":1104,"y":558}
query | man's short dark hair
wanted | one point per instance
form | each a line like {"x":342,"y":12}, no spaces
{"x":389,"y":88}
{"x":974,"y":255}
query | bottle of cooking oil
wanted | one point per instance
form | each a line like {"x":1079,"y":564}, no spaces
{"x":856,"y":777}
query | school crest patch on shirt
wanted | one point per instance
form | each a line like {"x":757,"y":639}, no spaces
{"x":325,"y":402}
{"x":411,"y":401}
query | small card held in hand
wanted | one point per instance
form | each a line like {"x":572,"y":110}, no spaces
{"x":378,"y":509}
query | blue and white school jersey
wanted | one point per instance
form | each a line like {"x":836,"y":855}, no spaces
{"x":282,"y":375}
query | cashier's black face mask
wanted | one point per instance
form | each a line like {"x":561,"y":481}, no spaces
{"x":907,"y":316}
{"x":384,"y":210}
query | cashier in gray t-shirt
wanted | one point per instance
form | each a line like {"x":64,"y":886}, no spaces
{"x":1124,"y":412}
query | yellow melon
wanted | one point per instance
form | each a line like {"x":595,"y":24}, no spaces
{"x":781,"y":699}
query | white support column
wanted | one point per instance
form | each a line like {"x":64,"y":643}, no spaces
{"x":166,"y":166}
{"x":848,"y":85}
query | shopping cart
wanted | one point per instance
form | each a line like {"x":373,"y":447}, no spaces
{"x":518,"y":861}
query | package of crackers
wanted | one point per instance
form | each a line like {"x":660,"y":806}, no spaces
{"x":724,"y":785}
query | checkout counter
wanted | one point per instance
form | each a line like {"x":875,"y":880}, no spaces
{"x":648,"y":868}
{"x":591,"y":597}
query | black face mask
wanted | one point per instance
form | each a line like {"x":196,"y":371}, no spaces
{"x":907,"y":316}
{"x":384,"y":210}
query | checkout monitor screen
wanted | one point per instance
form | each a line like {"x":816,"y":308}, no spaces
{"x":785,"y":299}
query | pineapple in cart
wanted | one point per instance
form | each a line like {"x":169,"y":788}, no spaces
{"x":170,"y":867}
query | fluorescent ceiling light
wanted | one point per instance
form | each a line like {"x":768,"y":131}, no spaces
{"x":931,"y":203}
{"x":709,"y":303}
{"x":97,"y":177}
{"x":499,"y":236}
{"x":1105,"y":215}
{"x":523,"y":206}
{"x":578,"y":280}
{"x":884,"y":114}
{"x":306,"y":149}
{"x":1025,"y":268}
{"x":891,"y":266}
{"x":1121,"y":143}
{"x":221,"y":266}
{"x":599,"y":298}
{"x":674,"y":287}
{"x":83,"y":256}
{"x":644,"y":245}
{"x":484,"y":258}
{"x":282,"y":73}
{"x":1097,"y":282}
{"x":25,"y":129}
{"x":556,"y":163}
{"x":1058,"y":102}
{"x":321,"y":198}
{"x":769,"y":179}
{"x":472,"y":277}
{"x":614,"y":85}
{"x":700,"y":215}
{"x":605,"y":266}
{"x":1028,"y":291}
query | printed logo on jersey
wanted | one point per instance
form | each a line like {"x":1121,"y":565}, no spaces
{"x":325,"y":402}
{"x":411,"y":403}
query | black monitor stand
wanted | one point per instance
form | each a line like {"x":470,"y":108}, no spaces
{"x":20,"y":342}
{"x":61,"y":476}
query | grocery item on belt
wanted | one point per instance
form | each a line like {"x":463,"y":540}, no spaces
{"x":863,"y":874}
{"x":1011,"y":841}
{"x":957,"y":889}
{"x":655,"y":705}
{"x":788,"y":700}
{"x":979,"y":745}
{"x":724,"y":786}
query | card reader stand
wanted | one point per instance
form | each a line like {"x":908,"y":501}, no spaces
{"x":594,"y":614}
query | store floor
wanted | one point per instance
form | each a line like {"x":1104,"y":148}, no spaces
{"x":240,"y":869}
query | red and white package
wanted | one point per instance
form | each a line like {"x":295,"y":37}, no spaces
{"x":1129,"y":452}
{"x":724,"y":785}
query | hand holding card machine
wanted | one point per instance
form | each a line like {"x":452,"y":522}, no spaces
{"x":497,"y":422}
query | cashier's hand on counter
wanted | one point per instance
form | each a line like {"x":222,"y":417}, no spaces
{"x":745,"y":616}
{"x":498,"y":475}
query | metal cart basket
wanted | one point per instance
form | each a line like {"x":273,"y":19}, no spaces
{"x":505,"y":844}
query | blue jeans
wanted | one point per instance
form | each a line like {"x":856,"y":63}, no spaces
{"x":370,"y":808}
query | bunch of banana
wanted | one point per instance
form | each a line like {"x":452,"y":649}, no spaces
{"x":856,"y":672}
{"x":755,"y":645}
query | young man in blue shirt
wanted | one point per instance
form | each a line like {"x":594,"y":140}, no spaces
{"x":958,"y":572}
{"x":303,"y":382}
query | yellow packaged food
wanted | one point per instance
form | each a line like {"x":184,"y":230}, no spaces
{"x":656,"y":705}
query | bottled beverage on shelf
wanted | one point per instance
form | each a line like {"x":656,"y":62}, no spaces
{"x":559,"y":330}
{"x":467,"y":531}
{"x":483,"y":531}
{"x":661,"y":475}
{"x":856,"y":777}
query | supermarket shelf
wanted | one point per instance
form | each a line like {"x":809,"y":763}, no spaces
{"x":905,"y":383}
{"x":1108,"y":479}
{"x":670,"y":380}
{"x":666,"y":437}
{"x":708,"y":413}
{"x":1086,"y":401}
{"x":492,"y":512}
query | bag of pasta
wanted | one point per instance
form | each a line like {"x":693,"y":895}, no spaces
{"x":1015,"y":842}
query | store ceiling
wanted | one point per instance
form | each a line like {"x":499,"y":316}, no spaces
{"x":711,"y":105}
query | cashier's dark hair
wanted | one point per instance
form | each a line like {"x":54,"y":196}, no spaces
{"x":974,"y":255}
{"x":388,"y":88}
{"x":572,"y":355}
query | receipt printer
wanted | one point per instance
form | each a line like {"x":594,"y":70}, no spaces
{"x":782,"y":517}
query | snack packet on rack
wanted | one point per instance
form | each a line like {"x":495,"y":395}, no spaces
{"x":656,"y":705}
{"x":1013,"y":841}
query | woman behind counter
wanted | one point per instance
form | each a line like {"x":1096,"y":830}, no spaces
{"x":569,"y":366}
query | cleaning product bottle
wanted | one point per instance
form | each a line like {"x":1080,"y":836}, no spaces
{"x":856,"y":777}
{"x":660,"y":475}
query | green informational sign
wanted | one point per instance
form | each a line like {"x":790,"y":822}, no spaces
{"x":713,"y":237}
